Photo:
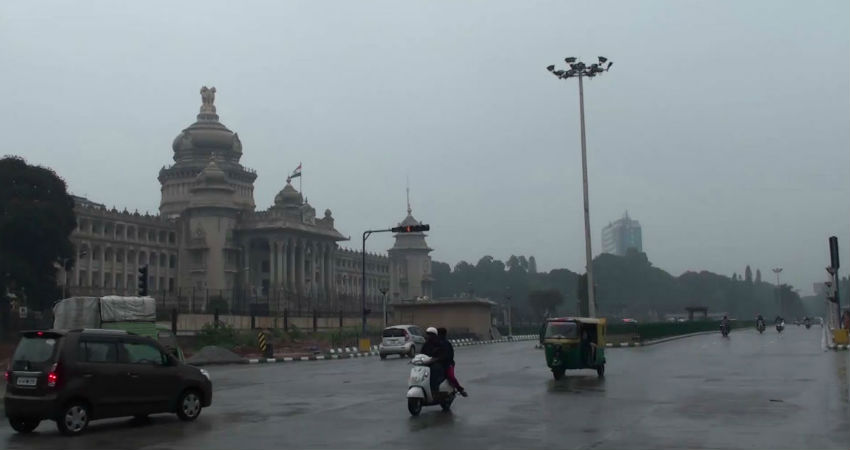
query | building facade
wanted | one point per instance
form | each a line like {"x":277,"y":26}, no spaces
{"x":209,"y":241}
{"x":621,"y":235}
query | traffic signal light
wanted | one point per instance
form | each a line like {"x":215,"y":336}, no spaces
{"x":143,"y":281}
{"x":410,"y":228}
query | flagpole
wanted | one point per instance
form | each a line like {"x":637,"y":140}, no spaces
{"x":301,"y":179}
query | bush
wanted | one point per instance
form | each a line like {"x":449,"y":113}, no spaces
{"x":294,"y":332}
{"x":223,"y":335}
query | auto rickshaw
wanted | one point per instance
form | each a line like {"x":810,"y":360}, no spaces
{"x":572,"y":343}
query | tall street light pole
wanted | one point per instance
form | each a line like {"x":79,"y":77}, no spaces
{"x":580,"y":70}
{"x":777,"y":271}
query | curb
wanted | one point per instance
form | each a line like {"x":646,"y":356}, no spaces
{"x":349,"y":352}
{"x":651,"y":342}
{"x":838,"y":347}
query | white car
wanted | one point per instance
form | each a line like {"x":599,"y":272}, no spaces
{"x":401,"y":340}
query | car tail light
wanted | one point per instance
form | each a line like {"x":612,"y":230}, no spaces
{"x":8,"y":375}
{"x":406,"y":335}
{"x":53,"y":376}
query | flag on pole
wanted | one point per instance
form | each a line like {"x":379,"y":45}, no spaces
{"x":295,"y":173}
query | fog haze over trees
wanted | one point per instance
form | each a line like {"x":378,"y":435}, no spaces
{"x":626,"y":286}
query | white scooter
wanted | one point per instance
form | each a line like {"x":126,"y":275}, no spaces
{"x":419,"y":388}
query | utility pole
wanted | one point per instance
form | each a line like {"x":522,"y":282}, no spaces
{"x":777,"y":271}
{"x":580,"y":70}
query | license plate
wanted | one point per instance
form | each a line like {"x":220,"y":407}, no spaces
{"x":26,"y":381}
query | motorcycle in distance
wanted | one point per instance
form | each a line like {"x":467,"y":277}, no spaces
{"x":760,"y":326}
{"x":807,"y":322}
{"x":724,"y":329}
{"x":780,"y":326}
{"x":419,"y":388}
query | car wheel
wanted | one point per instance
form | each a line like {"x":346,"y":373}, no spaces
{"x":414,"y":405}
{"x":383,"y":356}
{"x":189,"y":405}
{"x":412,"y":352}
{"x":23,"y":426}
{"x":73,"y":419}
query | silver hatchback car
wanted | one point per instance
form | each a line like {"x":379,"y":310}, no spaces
{"x":401,"y":340}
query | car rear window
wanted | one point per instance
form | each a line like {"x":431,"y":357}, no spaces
{"x":34,"y":352}
{"x":393,"y":332}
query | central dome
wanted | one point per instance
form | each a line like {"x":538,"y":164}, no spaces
{"x":207,"y":133}
{"x":288,"y":196}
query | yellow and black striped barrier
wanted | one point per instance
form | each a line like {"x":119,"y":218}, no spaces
{"x":264,"y":344}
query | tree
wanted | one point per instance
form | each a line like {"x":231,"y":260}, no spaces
{"x":735,"y":276}
{"x":748,"y":274}
{"x":758,"y":276}
{"x":545,"y":302}
{"x":36,"y":221}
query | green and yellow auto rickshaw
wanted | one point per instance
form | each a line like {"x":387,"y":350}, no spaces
{"x":574,"y":343}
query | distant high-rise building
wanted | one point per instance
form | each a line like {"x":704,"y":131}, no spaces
{"x":621,"y":235}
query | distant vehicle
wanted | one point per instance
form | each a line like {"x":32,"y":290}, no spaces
{"x":401,"y":340}
{"x":77,"y":376}
{"x":630,"y":321}
{"x":572,"y":343}
{"x":135,"y":315}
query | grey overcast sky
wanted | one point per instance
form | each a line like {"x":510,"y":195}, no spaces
{"x":723,"y":126}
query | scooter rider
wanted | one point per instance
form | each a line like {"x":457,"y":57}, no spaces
{"x":450,"y":361}
{"x":437,"y":351}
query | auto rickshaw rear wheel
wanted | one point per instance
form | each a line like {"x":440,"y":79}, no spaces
{"x":600,"y":370}
{"x":558,"y":373}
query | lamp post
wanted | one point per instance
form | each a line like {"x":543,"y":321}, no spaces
{"x":580,"y":70}
{"x":508,"y":297}
{"x":777,"y":271}
{"x":384,"y":294}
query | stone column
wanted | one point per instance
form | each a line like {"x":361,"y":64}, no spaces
{"x":283,"y":263}
{"x":290,"y":263}
{"x":299,"y":268}
{"x":328,"y":276}
{"x":114,"y":268}
{"x":272,"y":245}
{"x":245,"y":269}
{"x":90,"y":259}
{"x":277,"y":264}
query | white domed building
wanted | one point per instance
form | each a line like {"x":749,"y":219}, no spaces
{"x":209,"y":241}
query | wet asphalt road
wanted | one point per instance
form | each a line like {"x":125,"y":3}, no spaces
{"x":749,"y":391}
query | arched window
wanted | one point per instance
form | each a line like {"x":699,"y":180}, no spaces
{"x":143,"y":258}
{"x":97,"y":253}
{"x":153,"y":259}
